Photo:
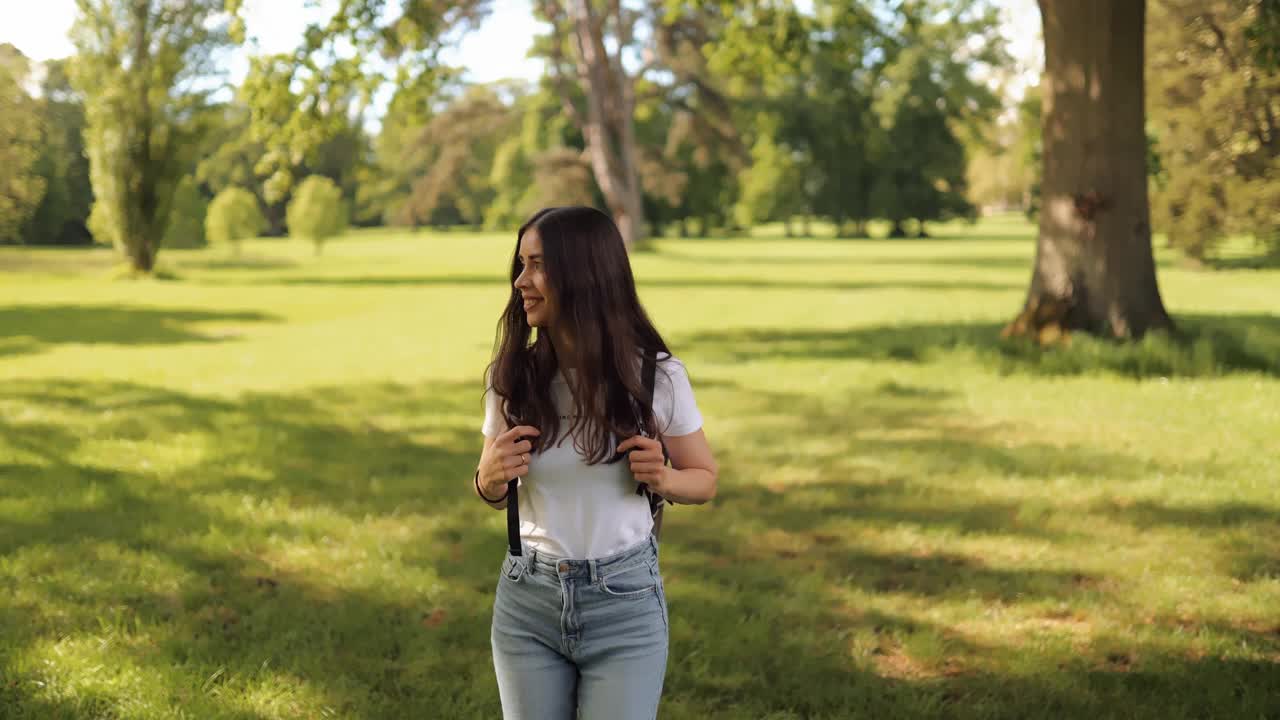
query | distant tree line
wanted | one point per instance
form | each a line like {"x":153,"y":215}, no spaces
{"x":680,"y":118}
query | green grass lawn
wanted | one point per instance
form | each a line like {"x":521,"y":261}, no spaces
{"x":246,"y":492}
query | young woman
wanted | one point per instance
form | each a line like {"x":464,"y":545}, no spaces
{"x":580,"y":617}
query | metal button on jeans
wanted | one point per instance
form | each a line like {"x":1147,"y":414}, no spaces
{"x":564,"y":567}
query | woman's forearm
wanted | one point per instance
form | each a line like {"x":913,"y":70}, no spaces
{"x":691,"y":486}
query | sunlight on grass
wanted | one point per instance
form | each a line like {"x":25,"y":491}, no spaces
{"x":245,"y":492}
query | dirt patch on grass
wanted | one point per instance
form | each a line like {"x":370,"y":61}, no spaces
{"x":893,"y":663}
{"x":1078,"y":628}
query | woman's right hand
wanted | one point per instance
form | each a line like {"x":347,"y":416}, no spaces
{"x":506,"y":459}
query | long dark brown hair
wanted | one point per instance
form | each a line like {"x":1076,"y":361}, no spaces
{"x":589,"y":275}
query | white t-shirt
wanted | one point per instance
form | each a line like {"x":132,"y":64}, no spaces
{"x":574,"y":510}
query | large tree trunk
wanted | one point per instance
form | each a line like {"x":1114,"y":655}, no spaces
{"x":609,"y":126}
{"x":1094,"y":269}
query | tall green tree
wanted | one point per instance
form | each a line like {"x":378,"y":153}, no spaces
{"x":229,"y":157}
{"x":1215,"y":111}
{"x":542,"y":164}
{"x":772,"y":188}
{"x":62,"y":215}
{"x":455,"y":152}
{"x":317,"y":211}
{"x":1003,"y":171}
{"x":186,"y":228}
{"x":303,"y":114}
{"x":766,"y":56}
{"x":589,"y":41}
{"x":233,"y":217}
{"x":1005,"y":162}
{"x":836,"y":127}
{"x":1029,"y":145}
{"x":608,"y":62}
{"x":399,"y":157}
{"x":22,"y":187}
{"x":869,"y":99}
{"x":692,"y":150}
{"x":689,"y":171}
{"x":307,"y":105}
{"x":926,"y":97}
{"x":136,"y":65}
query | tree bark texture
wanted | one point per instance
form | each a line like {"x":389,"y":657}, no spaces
{"x":609,"y":126}
{"x":1094,"y":269}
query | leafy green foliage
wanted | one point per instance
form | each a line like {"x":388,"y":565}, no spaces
{"x":229,"y":156}
{"x":1215,"y":111}
{"x":307,"y":105}
{"x":456,"y":151}
{"x":773,"y":186}
{"x":927,"y":93}
{"x":135,"y":66}
{"x":289,"y":125}
{"x":867,"y":101}
{"x":526,"y":180}
{"x":22,"y":187}
{"x":541,"y":163}
{"x":744,"y":112}
{"x":61,"y":217}
{"x":233,"y":216}
{"x":186,"y":228}
{"x":317,"y":211}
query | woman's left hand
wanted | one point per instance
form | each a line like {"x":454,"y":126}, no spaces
{"x":647,"y":462}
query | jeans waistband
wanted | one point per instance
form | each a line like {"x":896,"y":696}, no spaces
{"x":592,"y":568}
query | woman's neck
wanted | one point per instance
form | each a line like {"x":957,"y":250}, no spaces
{"x":563,"y":346}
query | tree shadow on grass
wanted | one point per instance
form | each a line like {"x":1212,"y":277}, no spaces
{"x":753,"y":284}
{"x":770,"y":579}
{"x":30,"y":328}
{"x":324,"y":546}
{"x":692,"y":283}
{"x":817,"y":657}
{"x":1024,"y":237}
{"x":1206,"y":345}
{"x":71,"y":260}
{"x":245,"y":262}
{"x":187,"y":571}
{"x":1148,"y":514}
{"x":1257,"y":261}
{"x":975,"y":262}
{"x":980,"y":262}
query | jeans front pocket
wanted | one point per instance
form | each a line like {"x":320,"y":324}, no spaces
{"x":636,"y":581}
{"x":513,"y":568}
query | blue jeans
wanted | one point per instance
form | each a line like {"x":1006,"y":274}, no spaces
{"x":584,"y":637}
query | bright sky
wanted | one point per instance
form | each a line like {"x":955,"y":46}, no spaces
{"x":497,"y":50}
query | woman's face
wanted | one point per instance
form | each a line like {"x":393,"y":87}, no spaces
{"x":539,"y":305}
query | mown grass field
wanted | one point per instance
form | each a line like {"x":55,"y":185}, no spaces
{"x":246,"y":492}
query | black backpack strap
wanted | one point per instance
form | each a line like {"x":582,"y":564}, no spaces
{"x":513,"y":518}
{"x":649,"y":373}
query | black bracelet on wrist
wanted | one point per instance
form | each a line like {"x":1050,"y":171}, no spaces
{"x":482,"y":495}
